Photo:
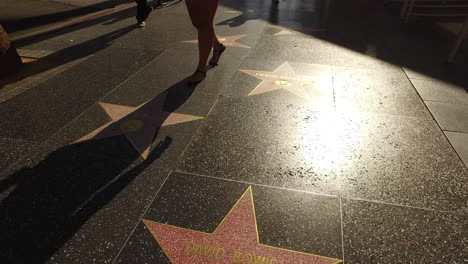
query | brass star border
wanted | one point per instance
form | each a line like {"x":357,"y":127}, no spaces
{"x":233,"y":241}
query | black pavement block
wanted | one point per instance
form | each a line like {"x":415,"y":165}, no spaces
{"x":11,"y":150}
{"x":382,"y":233}
{"x":402,"y":160}
{"x":283,"y":218}
{"x":262,"y":141}
{"x":100,"y":239}
{"x":77,"y":202}
{"x":381,"y":92}
{"x":68,"y":94}
{"x":293,"y":48}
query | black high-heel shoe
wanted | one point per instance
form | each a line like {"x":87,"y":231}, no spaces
{"x":192,"y":82}
{"x":220,"y":51}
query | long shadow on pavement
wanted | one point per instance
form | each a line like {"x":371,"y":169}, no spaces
{"x":66,"y":55}
{"x":46,"y":204}
{"x":13,"y":25}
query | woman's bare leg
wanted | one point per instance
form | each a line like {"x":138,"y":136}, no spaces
{"x":202,"y":14}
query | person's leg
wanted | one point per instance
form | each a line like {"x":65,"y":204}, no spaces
{"x":202,"y":16}
{"x":141,"y":6}
{"x":143,"y":11}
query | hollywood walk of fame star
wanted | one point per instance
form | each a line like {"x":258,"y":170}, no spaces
{"x":139,"y":124}
{"x":230,"y":41}
{"x":283,"y":77}
{"x":235,"y":240}
{"x":291,"y":31}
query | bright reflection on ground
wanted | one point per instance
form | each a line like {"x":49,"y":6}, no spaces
{"x":329,"y":140}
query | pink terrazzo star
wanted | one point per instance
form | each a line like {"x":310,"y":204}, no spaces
{"x":139,"y":124}
{"x":283,"y":77}
{"x":235,"y":240}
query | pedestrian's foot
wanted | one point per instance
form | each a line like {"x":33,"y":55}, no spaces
{"x":217,"y":54}
{"x":197,"y":77}
{"x":141,"y":24}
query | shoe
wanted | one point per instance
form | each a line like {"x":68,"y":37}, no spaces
{"x":220,"y":51}
{"x":193,"y":80}
{"x":141,"y":20}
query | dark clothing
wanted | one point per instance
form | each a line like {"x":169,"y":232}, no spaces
{"x":143,"y":10}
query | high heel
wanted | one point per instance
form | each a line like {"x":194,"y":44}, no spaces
{"x":193,"y":82}
{"x":219,"y":51}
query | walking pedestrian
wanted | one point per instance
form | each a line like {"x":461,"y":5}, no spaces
{"x":202,"y":13}
{"x":143,"y":11}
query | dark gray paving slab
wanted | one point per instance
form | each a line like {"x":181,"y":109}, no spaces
{"x":61,"y":201}
{"x":100,"y":239}
{"x":45,"y":204}
{"x":451,"y":117}
{"x":291,"y":14}
{"x":361,"y":15}
{"x":255,"y":140}
{"x":92,"y":30}
{"x":355,"y":49}
{"x":459,"y":143}
{"x":66,"y":95}
{"x":376,"y":91}
{"x":381,"y":233}
{"x":294,"y":48}
{"x":284,"y":82}
{"x":163,"y":31}
{"x":11,"y":150}
{"x":437,"y":71}
{"x":174,"y":66}
{"x":347,"y":57}
{"x":402,"y":160}
{"x":201,"y":204}
{"x":440,"y":91}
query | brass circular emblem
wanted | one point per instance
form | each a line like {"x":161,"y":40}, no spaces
{"x":282,"y":83}
{"x":131,"y":126}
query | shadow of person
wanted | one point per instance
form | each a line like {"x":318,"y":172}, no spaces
{"x":45,"y":205}
{"x":240,"y":19}
{"x":66,"y":55}
{"x":22,"y":23}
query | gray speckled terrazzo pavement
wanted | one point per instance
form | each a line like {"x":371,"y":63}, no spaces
{"x":327,"y":134}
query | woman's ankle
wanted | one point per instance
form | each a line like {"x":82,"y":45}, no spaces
{"x":202,"y":68}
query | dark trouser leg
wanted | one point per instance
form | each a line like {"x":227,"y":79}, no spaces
{"x":141,"y":10}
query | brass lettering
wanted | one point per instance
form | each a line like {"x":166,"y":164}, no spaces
{"x":220,"y":253}
{"x":273,"y":261}
{"x":189,"y":247}
{"x":244,"y":257}
{"x":236,"y":258}
{"x":260,"y":260}
{"x":198,"y":249}
{"x":209,"y":250}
